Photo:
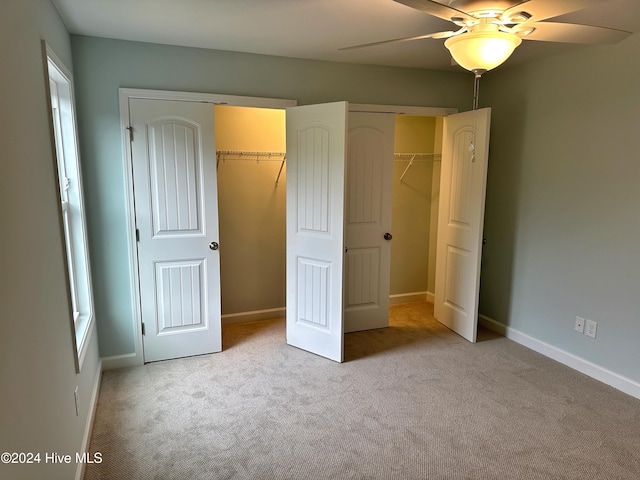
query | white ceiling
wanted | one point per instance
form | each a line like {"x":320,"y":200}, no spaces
{"x":312,"y":29}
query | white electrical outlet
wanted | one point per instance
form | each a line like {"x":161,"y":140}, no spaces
{"x":579,"y":325}
{"x":591,"y":327}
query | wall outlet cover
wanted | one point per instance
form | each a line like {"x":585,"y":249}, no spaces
{"x":590,"y":328}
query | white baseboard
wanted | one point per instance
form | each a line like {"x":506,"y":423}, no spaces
{"x":86,"y":439}
{"x":590,"y":369}
{"x":252,"y":316}
{"x":408,"y":297}
{"x":120,"y":361}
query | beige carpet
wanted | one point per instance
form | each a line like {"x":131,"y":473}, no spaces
{"x":413,"y":401}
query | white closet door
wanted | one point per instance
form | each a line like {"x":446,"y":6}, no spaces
{"x":461,"y":219}
{"x":316,"y":158}
{"x":368,"y":220}
{"x":174,"y":170}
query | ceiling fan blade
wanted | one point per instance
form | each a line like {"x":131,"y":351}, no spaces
{"x":542,"y":9}
{"x":439,"y":10}
{"x":406,"y":39}
{"x":571,"y":33}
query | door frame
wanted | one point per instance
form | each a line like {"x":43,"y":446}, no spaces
{"x":125,"y":94}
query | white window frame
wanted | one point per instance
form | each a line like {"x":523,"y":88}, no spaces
{"x":71,"y":207}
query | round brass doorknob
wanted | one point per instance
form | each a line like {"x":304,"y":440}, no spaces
{"x":388,"y":236}
{"x":214,"y":245}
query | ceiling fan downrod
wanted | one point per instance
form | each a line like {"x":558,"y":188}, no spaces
{"x":476,"y":86}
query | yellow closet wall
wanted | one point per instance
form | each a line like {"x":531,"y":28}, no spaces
{"x":412,"y":207}
{"x":251,"y":210}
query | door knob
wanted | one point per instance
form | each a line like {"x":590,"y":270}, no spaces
{"x":214,"y":245}
{"x":388,"y":236}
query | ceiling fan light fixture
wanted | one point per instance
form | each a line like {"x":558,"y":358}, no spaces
{"x":482,"y":50}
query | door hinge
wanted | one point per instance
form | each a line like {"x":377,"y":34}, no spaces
{"x":142,"y":328}
{"x":130,"y":133}
{"x":137,"y":235}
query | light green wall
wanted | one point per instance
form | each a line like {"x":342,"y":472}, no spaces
{"x":102,"y":66}
{"x":562,"y":219}
{"x":37,"y":372}
{"x":412,"y":206}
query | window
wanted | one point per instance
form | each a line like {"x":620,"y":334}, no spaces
{"x":71,"y":202}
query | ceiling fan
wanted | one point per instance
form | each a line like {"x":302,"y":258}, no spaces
{"x":490,"y":30}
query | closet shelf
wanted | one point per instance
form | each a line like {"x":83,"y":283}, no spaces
{"x":245,"y":155}
{"x":418,"y":157}
{"x":258,"y":157}
{"x":415,"y":157}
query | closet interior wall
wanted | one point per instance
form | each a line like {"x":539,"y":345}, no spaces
{"x":251,"y":213}
{"x":415,"y":208}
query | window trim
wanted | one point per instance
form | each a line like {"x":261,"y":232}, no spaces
{"x":70,"y":197}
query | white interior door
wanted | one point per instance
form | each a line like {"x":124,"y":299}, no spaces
{"x":368,"y":220}
{"x":316,"y":157}
{"x":174,"y":170}
{"x":465,"y":149}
